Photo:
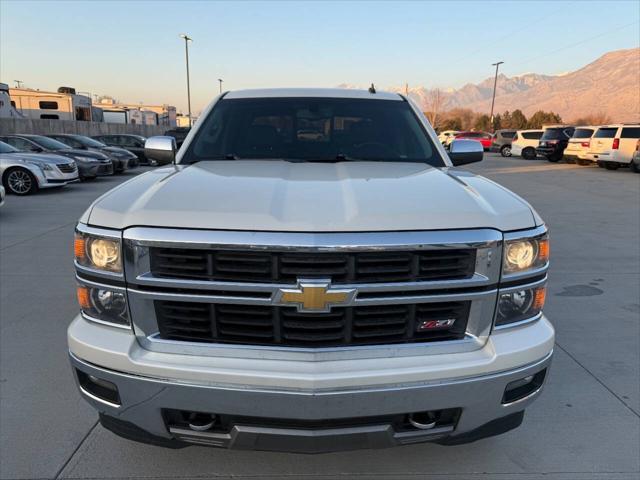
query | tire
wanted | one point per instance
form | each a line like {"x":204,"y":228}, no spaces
{"x":610,"y":165}
{"x":572,"y":160}
{"x":20,"y":181}
{"x":505,"y":151}
{"x":529,"y":153}
{"x":600,"y":163}
{"x":553,"y":158}
{"x":635,"y":167}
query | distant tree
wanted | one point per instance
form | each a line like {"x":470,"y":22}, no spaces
{"x":541,"y":118}
{"x":453,"y":123}
{"x":600,"y":118}
{"x":497,"y":122}
{"x":483,"y":122}
{"x":434,"y":104}
{"x":505,"y":120}
{"x":518,"y":120}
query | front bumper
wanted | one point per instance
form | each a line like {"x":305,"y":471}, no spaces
{"x":54,"y":178}
{"x":277,"y":413}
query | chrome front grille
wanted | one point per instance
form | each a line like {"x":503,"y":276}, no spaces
{"x":285,"y":326}
{"x":287,"y":267}
{"x":219,"y":292}
{"x":66,"y":167}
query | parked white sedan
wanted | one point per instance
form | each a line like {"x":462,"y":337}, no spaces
{"x":24,"y":173}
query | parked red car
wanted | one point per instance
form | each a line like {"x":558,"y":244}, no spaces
{"x":483,"y":137}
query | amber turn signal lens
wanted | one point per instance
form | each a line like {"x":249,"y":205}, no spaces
{"x":83,"y":297}
{"x":543,"y":250}
{"x":539,"y":298}
{"x":79,"y":246}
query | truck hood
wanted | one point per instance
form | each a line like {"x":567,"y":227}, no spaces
{"x":272,"y":195}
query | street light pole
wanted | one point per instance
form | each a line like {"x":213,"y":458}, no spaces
{"x":187,"y":39}
{"x":493,"y":100}
{"x":220,"y":81}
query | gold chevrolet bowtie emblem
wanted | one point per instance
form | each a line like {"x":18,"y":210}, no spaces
{"x":314,"y":296}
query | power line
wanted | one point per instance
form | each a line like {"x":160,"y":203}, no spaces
{"x":616,"y":29}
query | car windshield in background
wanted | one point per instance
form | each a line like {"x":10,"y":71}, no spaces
{"x":606,"y":132}
{"x":312,"y":129}
{"x":554,"y":134}
{"x":582,"y":133}
{"x":49,"y":143}
{"x":6,"y":148}
{"x":89,"y":142}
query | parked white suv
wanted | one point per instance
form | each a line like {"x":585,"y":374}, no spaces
{"x":579,"y":144}
{"x":310,"y":275}
{"x":524,"y":143}
{"x":613,"y":146}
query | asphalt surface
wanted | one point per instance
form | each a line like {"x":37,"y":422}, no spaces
{"x":585,"y":425}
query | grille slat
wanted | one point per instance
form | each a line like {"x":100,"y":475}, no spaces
{"x":285,"y":267}
{"x":285,"y":326}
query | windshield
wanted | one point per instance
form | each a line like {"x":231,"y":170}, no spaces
{"x":312,"y":129}
{"x":88,"y":142}
{"x":606,"y":132}
{"x":554,"y":134}
{"x":6,"y":148}
{"x":583,"y":133}
{"x":49,"y":143}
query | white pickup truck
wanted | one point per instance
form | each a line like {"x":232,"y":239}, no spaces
{"x":309,"y":273}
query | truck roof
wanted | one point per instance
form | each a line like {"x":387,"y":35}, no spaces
{"x":312,"y":92}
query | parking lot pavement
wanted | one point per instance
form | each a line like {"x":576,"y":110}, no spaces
{"x":586,"y":425}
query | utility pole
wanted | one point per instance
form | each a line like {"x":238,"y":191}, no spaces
{"x":406,"y":89}
{"x":18,"y":83}
{"x":220,"y":82}
{"x":187,"y":39}
{"x":493,"y":100}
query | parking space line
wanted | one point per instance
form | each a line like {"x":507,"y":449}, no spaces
{"x":75,"y":450}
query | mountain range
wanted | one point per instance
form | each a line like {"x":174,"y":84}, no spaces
{"x":610,"y":85}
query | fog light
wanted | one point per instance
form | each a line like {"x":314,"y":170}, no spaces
{"x":99,"y":388}
{"x":523,"y":387}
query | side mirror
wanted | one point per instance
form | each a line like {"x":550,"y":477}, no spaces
{"x":462,"y":152}
{"x":161,"y":149}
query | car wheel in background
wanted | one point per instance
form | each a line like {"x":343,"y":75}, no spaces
{"x":20,"y":181}
{"x":572,"y":160}
{"x":600,"y":163}
{"x":635,"y":167}
{"x":528,"y":153}
{"x":610,"y":165}
{"x":505,"y":151}
{"x":553,"y":158}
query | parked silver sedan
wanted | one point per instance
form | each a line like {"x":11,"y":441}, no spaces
{"x":24,"y":173}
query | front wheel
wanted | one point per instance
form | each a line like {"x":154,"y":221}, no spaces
{"x":505,"y":151}
{"x":553,"y":158}
{"x":635,"y":167}
{"x":20,"y":181}
{"x":528,"y":153}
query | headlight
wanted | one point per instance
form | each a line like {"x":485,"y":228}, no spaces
{"x":522,"y":254}
{"x":40,"y":165}
{"x":103,"y":303}
{"x":517,"y":305}
{"x":102,"y":253}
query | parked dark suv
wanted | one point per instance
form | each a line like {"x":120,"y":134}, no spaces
{"x":179,"y":133}
{"x":128,"y":141}
{"x":553,"y":142}
{"x":501,"y":142}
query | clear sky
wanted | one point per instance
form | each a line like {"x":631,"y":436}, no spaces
{"x":131,"y":50}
